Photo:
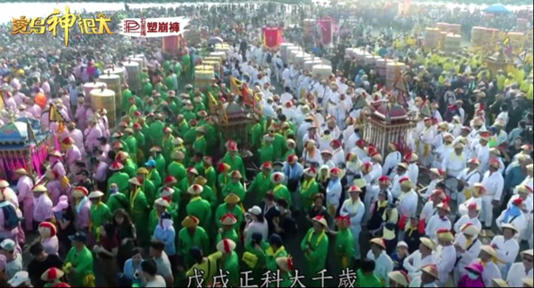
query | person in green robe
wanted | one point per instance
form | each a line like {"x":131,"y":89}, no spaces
{"x":161,"y":163}
{"x":153,"y":173}
{"x":129,"y":165}
{"x":230,"y":205}
{"x":206,"y":267}
{"x":261,"y":183}
{"x":186,"y":182}
{"x":139,"y":210}
{"x":211,"y":133}
{"x":256,"y":133}
{"x":116,"y":199}
{"x":132,"y":107}
{"x":224,"y":175}
{"x":279,"y":143}
{"x":199,"y":207}
{"x":228,"y":229}
{"x":233,"y":159}
{"x":198,"y":103}
{"x":126,"y":96}
{"x":275,"y":250}
{"x":160,"y":206}
{"x":314,"y":246}
{"x":171,"y":195}
{"x":365,"y":275}
{"x":254,"y":256}
{"x":141,"y":142}
{"x":286,"y":267}
{"x":200,"y":145}
{"x":291,"y":146}
{"x":191,"y":235}
{"x":79,"y":262}
{"x":155,"y":132}
{"x":207,"y":192}
{"x":119,"y":177}
{"x":344,"y":245}
{"x":173,"y":103}
{"x":176,"y":168}
{"x":230,"y":261}
{"x":309,"y":188}
{"x":147,"y":185}
{"x":167,"y":142}
{"x":210,"y":174}
{"x":147,"y":88}
{"x":99,"y":214}
{"x":235,"y":186}
{"x":266,"y":151}
{"x":280,"y":190}
{"x":182,"y":124}
{"x":131,"y":141}
{"x":189,"y":114}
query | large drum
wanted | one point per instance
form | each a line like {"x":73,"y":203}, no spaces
{"x":113,"y":82}
{"x":104,"y":98}
{"x":117,"y":70}
{"x":453,"y":42}
{"x":321,"y":72}
{"x":134,"y":75}
{"x":204,"y":76}
{"x":87,"y":87}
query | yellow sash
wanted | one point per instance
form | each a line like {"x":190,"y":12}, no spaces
{"x":321,"y":236}
{"x":133,"y":196}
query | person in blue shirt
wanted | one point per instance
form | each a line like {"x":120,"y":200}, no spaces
{"x":165,"y":233}
{"x":133,"y":265}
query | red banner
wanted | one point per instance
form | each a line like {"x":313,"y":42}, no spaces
{"x":272,"y":37}
{"x":325,"y":26}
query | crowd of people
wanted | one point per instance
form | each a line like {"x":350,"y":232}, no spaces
{"x":163,"y":198}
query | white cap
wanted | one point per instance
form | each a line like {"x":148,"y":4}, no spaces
{"x":19,"y":278}
{"x":255,"y":210}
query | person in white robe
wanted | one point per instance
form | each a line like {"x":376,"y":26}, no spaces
{"x":355,"y":209}
{"x":466,"y":179}
{"x":488,"y":258}
{"x":520,"y":270}
{"x":401,"y":172}
{"x":506,"y":246}
{"x":393,"y":158}
{"x":454,"y":162}
{"x":470,"y":217}
{"x":420,"y":257}
{"x":438,"y":221}
{"x":445,"y":256}
{"x":513,"y":215}
{"x":467,"y":247}
{"x":494,"y":184}
{"x":436,"y":176}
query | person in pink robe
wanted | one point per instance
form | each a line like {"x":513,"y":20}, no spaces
{"x":82,"y":208}
{"x":42,"y":206}
{"x":25,"y":196}
{"x":91,"y":136}
{"x":80,"y":114}
{"x":72,"y":153}
{"x":35,"y":110}
{"x":56,"y":166}
{"x":77,"y":135}
{"x":48,"y":238}
{"x":9,"y":102}
{"x":20,"y":98}
{"x":8,"y":194}
{"x":101,"y":171}
{"x":104,"y":122}
{"x":54,"y":190}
